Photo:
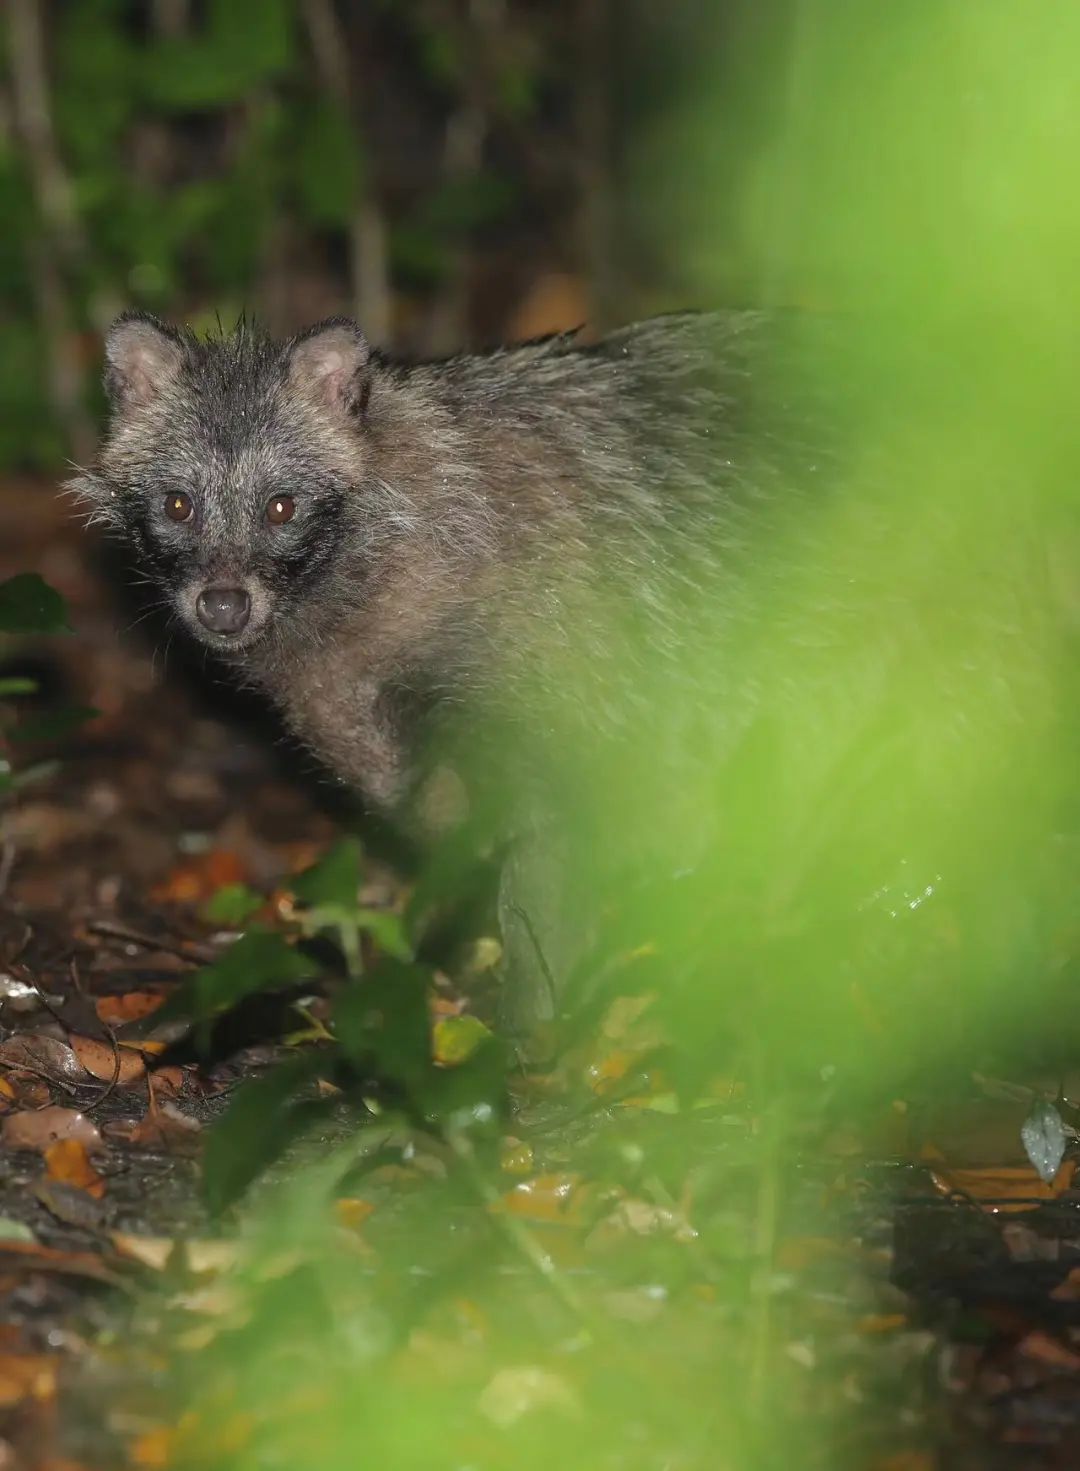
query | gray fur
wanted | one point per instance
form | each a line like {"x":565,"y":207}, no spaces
{"x":456,"y":521}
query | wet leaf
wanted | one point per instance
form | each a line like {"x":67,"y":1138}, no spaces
{"x":125,"y":1064}
{"x":69,"y":1203}
{"x":1044,"y":1139}
{"x":43,"y":1127}
{"x":130,"y":1006}
{"x":45,"y":1056}
{"x":1005,"y":1188}
{"x":68,"y":1162}
{"x":550,"y":1197}
{"x":164,"y":1130}
{"x":456,"y":1038}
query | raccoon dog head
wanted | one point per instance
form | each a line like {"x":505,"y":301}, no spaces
{"x":231,"y":464}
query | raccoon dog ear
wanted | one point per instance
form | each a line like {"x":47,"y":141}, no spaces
{"x":141,"y":356}
{"x":331,"y":363}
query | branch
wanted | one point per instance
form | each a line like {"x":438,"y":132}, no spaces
{"x":61,"y":241}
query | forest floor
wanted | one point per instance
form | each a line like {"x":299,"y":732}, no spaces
{"x":921,"y":1305}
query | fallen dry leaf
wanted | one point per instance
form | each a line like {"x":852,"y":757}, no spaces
{"x":41,"y":1128}
{"x":45,"y":1056}
{"x":67,"y":1161}
{"x":516,"y":1157}
{"x":200,"y":878}
{"x":545,"y":1198}
{"x":26,"y":1376}
{"x":352,"y":1212}
{"x":1005,"y":1188}
{"x":131,"y":1006}
{"x":641,"y":1218}
{"x":1045,"y":1349}
{"x":153,"y":1449}
{"x":514,"y":1392}
{"x":103,"y":1062}
{"x":164,"y":1128}
{"x":30,"y":1256}
{"x":148,"y":1251}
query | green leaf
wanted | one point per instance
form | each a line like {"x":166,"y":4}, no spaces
{"x":328,"y":164}
{"x":17,"y":686}
{"x":52,"y":725}
{"x":29,"y":605}
{"x":247,"y":42}
{"x":233,"y":904}
{"x":382,"y":1022}
{"x":12,"y":1230}
{"x":470,"y":1099}
{"x":386,"y":928}
{"x":1044,"y":1139}
{"x":258,"y":961}
{"x":262,"y":1119}
{"x":456,"y":1038}
{"x":335,"y":879}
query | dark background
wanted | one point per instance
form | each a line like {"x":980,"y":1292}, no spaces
{"x":450,"y":172}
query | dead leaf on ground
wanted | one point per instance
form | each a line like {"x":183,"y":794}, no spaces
{"x":514,"y":1392}
{"x":103,"y":1062}
{"x":45,"y":1056}
{"x":633,"y":1217}
{"x":27,"y":1377}
{"x":67,"y":1161}
{"x":148,"y":1251}
{"x":69,"y":1204}
{"x":352,"y":1212}
{"x":1045,"y":1349}
{"x":162,"y":1129}
{"x":199,"y":878}
{"x":132,"y":1006}
{"x":42,"y":1128}
{"x":1007,"y":1188}
{"x":30,"y":1256}
{"x":552,"y":1197}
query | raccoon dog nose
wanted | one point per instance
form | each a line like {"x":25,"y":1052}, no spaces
{"x":223,"y":609}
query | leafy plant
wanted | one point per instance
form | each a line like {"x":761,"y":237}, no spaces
{"x":28,"y":607}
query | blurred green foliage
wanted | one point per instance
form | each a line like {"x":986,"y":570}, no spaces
{"x":210,"y":154}
{"x":29,"y":609}
{"x":843,"y":856}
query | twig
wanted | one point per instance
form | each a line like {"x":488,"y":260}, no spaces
{"x":516,"y":1234}
{"x":7,"y":863}
{"x":192,"y":951}
{"x":368,"y":250}
{"x":61,"y":236}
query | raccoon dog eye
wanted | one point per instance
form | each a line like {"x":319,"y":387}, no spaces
{"x":178,"y":506}
{"x":281,"y":509}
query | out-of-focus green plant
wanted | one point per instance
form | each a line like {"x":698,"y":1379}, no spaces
{"x":845,"y":852}
{"x":29,"y":608}
{"x":191,"y":160}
